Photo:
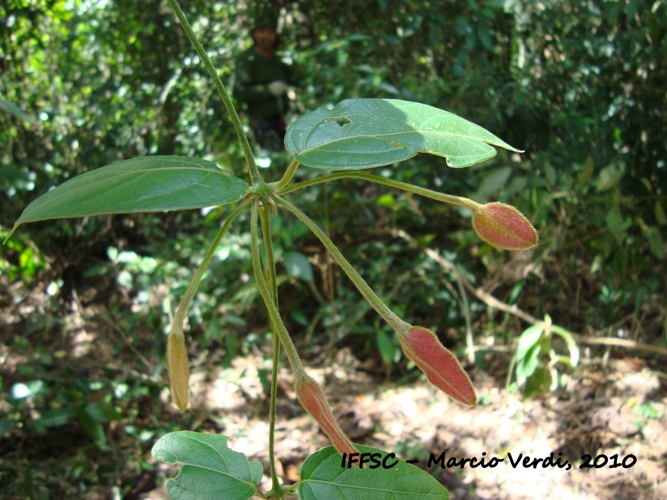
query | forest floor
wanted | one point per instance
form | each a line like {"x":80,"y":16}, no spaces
{"x":613,"y":409}
{"x":596,"y":415}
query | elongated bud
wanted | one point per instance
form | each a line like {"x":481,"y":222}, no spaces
{"x":503,"y":226}
{"x":441,"y":367}
{"x":179,"y":370}
{"x":315,"y":402}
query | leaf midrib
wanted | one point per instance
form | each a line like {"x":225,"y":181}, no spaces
{"x":378,"y":136}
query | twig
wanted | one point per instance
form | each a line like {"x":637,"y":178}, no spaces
{"x":461,"y":297}
{"x":114,"y":327}
{"x":493,"y":302}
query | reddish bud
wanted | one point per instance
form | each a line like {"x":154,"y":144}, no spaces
{"x":315,"y":402}
{"x":503,"y":226}
{"x":441,"y":367}
{"x":179,"y":370}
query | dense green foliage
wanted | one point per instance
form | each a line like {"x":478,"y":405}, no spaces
{"x":579,"y":85}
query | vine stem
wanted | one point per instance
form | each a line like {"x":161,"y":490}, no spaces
{"x":272,"y":308}
{"x":255,"y":176}
{"x":400,"y":326}
{"x":269,"y":293}
{"x":272,"y":411}
{"x":289,"y":174}
{"x":265,"y":218}
{"x":177,"y":356}
{"x":181,"y":311}
{"x":427,"y":193}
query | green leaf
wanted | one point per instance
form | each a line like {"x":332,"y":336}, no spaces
{"x":367,"y":133}
{"x":297,"y":265}
{"x":647,"y":410}
{"x":655,"y":244}
{"x":660,"y":214}
{"x":4,"y":428}
{"x":102,"y":412}
{"x":485,"y":37}
{"x":55,"y":417}
{"x":210,"y":469}
{"x":386,"y":346}
{"x":147,"y":184}
{"x":92,"y":427}
{"x":528,"y":352}
{"x":539,"y":383}
{"x":529,"y":338}
{"x":586,"y":171}
{"x":571,"y":344}
{"x":323,"y":478}
{"x":492,"y":182}
{"x":386,"y":201}
{"x":614,"y":220}
{"x":610,"y":176}
{"x":526,"y":366}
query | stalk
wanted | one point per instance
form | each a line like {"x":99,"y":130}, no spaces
{"x":179,"y":316}
{"x":272,"y":308}
{"x":255,"y":176}
{"x":265,"y":218}
{"x":382,"y":309}
{"x":177,"y":353}
{"x":427,"y":193}
{"x":287,"y":177}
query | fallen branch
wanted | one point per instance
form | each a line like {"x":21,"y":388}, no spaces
{"x":493,"y":302}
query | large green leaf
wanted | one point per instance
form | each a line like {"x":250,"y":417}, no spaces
{"x":210,"y":469}
{"x":366,"y":133}
{"x":147,"y":184}
{"x":324,"y":478}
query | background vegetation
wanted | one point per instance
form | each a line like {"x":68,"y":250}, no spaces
{"x":581,"y":86}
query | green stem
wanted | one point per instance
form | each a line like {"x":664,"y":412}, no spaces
{"x":382,"y":309}
{"x":265,"y":217}
{"x":255,"y":176}
{"x":281,"y":336}
{"x":272,"y":410}
{"x":428,"y":193}
{"x":179,"y":316}
{"x":289,"y":174}
{"x":272,"y":308}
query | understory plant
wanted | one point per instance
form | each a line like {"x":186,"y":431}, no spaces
{"x":536,"y":360}
{"x":355,"y":135}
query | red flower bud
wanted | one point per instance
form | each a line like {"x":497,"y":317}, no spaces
{"x":441,"y":367}
{"x":503,"y":226}
{"x":315,"y":402}
{"x":179,"y":370}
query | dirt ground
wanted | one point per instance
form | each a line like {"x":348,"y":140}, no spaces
{"x":595,"y":416}
{"x":598,"y":414}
